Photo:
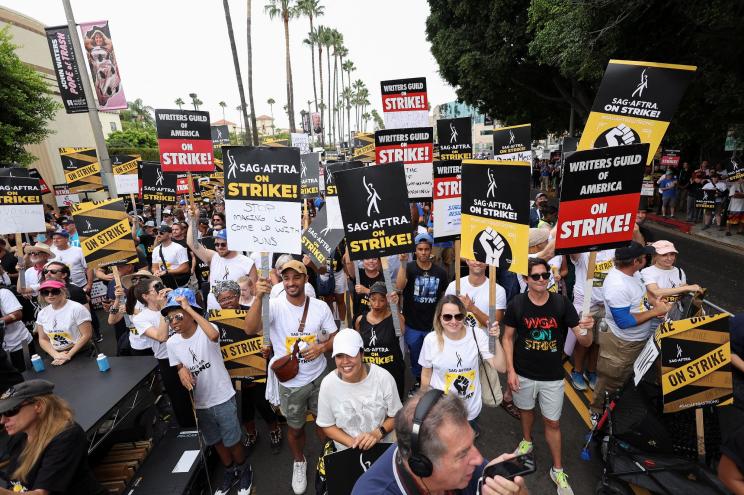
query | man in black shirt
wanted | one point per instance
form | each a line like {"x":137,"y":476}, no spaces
{"x":536,"y":324}
{"x":422,"y":283}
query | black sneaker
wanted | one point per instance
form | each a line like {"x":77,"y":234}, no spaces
{"x":275,"y":439}
{"x":229,"y":480}
{"x":251,"y":439}
{"x":245,"y":483}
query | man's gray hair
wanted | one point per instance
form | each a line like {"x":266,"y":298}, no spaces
{"x":448,"y":409}
{"x":281,"y":260}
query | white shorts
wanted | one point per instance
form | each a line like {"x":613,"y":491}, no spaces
{"x":340,"y":284}
{"x":549,"y":393}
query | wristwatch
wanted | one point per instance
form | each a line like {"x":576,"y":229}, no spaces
{"x":383,"y":431}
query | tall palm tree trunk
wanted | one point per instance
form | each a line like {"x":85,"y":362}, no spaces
{"x":290,"y":98}
{"x":236,"y":63}
{"x":330,"y":97}
{"x":320,"y":67}
{"x":335,"y":95}
{"x":254,"y":128}
{"x":312,"y":58}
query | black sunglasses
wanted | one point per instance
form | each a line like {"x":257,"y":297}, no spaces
{"x":220,"y":244}
{"x":174,"y":318}
{"x":50,"y":292}
{"x":448,"y":317}
{"x":158,"y":286}
{"x":49,"y":270}
{"x":538,"y":276}
{"x":15,"y":410}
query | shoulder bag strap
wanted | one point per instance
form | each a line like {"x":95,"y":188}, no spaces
{"x":304,"y":315}
{"x":483,"y":364}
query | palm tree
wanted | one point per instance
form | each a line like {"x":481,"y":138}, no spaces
{"x":236,"y":63}
{"x":347,"y":95}
{"x":365,"y":118}
{"x":342,"y":52}
{"x":271,"y":102}
{"x":321,"y":34}
{"x":327,"y":40}
{"x":311,"y":9}
{"x":222,"y":104}
{"x":193,"y":98}
{"x":348,"y":67}
{"x":337,"y":44}
{"x":379,"y":123}
{"x":141,"y":113}
{"x":197,"y":102}
{"x":285,"y":10}
{"x":240,"y":115}
{"x":179,"y":102}
{"x":250,"y":74}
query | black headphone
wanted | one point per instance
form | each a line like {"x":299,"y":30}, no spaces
{"x":421,"y":465}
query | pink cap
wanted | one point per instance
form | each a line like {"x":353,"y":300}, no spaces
{"x":664,"y":247}
{"x":52,"y":284}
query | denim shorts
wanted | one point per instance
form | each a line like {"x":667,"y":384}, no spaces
{"x":220,"y":423}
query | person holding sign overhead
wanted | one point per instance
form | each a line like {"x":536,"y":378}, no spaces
{"x":64,"y":326}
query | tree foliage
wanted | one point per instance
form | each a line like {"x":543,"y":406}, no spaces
{"x":528,"y":61}
{"x":26,"y":105}
{"x":133,"y":137}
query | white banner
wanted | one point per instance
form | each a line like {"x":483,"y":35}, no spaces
{"x":301,"y":141}
{"x":127,"y":184}
{"x":273,"y":226}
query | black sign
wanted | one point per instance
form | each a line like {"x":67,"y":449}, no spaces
{"x":344,"y":468}
{"x":735,"y":169}
{"x":184,"y":140}
{"x":259,"y":173}
{"x":66,"y":69}
{"x":220,"y":134}
{"x":158,"y":187}
{"x":319,"y":240}
{"x":20,"y":204}
{"x":309,"y":175}
{"x":332,"y":168}
{"x":508,"y":142}
{"x":455,"y":139}
{"x":375,"y":211}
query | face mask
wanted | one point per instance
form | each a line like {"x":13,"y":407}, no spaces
{"x":41,"y":238}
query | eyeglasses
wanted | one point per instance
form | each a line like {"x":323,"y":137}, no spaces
{"x":50,"y":292}
{"x":136,"y":278}
{"x":53,"y":272}
{"x":538,"y":276}
{"x":174,"y":318}
{"x":158,"y":287}
{"x":36,"y":253}
{"x":220,"y":244}
{"x":457,"y":316}
{"x":15,"y":410}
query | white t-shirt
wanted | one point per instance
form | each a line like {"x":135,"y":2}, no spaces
{"x":143,"y":320}
{"x":360,"y":407}
{"x":174,"y":255}
{"x":601,"y":268}
{"x":15,"y":333}
{"x":62,"y":325}
{"x":623,"y":291}
{"x":455,"y":367}
{"x":33,"y":279}
{"x":737,"y":204}
{"x":203,"y":359}
{"x":229,"y":268}
{"x":285,"y":321}
{"x":278,"y":290}
{"x":664,"y":279}
{"x":75,"y":261}
{"x":479,"y":295}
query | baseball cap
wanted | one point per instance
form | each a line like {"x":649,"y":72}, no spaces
{"x":220,"y":234}
{"x":150,"y":223}
{"x":295,"y":265}
{"x":182,"y":202}
{"x":347,"y":341}
{"x":65,"y":221}
{"x":378,"y":288}
{"x":180,"y":292}
{"x":634,"y":250}
{"x":540,"y":194}
{"x":664,"y":247}
{"x":538,"y":236}
{"x":52,"y":284}
{"x":167,"y":212}
{"x":63,"y":233}
{"x":165,"y":229}
{"x":424,"y":237}
{"x":17,"y":394}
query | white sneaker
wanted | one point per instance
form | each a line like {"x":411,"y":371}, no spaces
{"x":299,"y":477}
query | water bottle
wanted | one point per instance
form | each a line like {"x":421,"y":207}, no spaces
{"x":37,"y":363}
{"x":103,"y":363}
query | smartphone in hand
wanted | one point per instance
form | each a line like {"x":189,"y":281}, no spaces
{"x":520,"y":465}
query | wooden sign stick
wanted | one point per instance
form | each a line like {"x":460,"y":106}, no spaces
{"x":491,"y":306}
{"x":117,"y":277}
{"x":265,"y":310}
{"x":457,"y":267}
{"x":390,"y":289}
{"x":21,"y":283}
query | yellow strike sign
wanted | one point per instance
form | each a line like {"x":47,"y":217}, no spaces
{"x":670,"y":328}
{"x":241,"y":349}
{"x":703,"y":366}
{"x":104,"y":238}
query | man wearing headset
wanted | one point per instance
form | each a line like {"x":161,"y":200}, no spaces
{"x":434,"y":454}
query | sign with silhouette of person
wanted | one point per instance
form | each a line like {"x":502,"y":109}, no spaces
{"x":158,"y":187}
{"x":495,"y":211}
{"x":375,"y":211}
{"x":455,"y":138}
{"x":513,"y":143}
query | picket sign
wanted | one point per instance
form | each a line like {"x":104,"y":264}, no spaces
{"x":390,"y":289}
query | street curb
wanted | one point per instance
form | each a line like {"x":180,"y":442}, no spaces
{"x":735,"y":248}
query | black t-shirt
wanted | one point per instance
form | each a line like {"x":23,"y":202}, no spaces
{"x":77,"y":294}
{"x":62,"y":469}
{"x":9,"y":262}
{"x":382,"y":347}
{"x":147,"y":241}
{"x":361,"y":301}
{"x":421,"y":294}
{"x":540,"y":335}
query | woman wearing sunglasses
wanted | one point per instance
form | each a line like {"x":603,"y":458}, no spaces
{"x":450,"y":355}
{"x":56,"y":270}
{"x":47,"y":448}
{"x":64,"y":325}
{"x":149,"y":336}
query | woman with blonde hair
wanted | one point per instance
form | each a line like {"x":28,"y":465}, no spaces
{"x":450,"y":355}
{"x":48,"y":449}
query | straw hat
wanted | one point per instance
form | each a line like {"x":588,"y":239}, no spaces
{"x":39,"y":246}
{"x":126,"y":280}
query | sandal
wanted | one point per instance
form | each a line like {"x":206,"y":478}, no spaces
{"x":510,"y":408}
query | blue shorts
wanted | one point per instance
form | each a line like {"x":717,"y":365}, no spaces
{"x":220,"y":423}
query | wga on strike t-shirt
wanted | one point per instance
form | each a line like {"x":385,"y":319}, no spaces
{"x":202,"y":357}
{"x":421,"y":294}
{"x":540,"y":332}
{"x":285,"y":320}
{"x":455,"y":366}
